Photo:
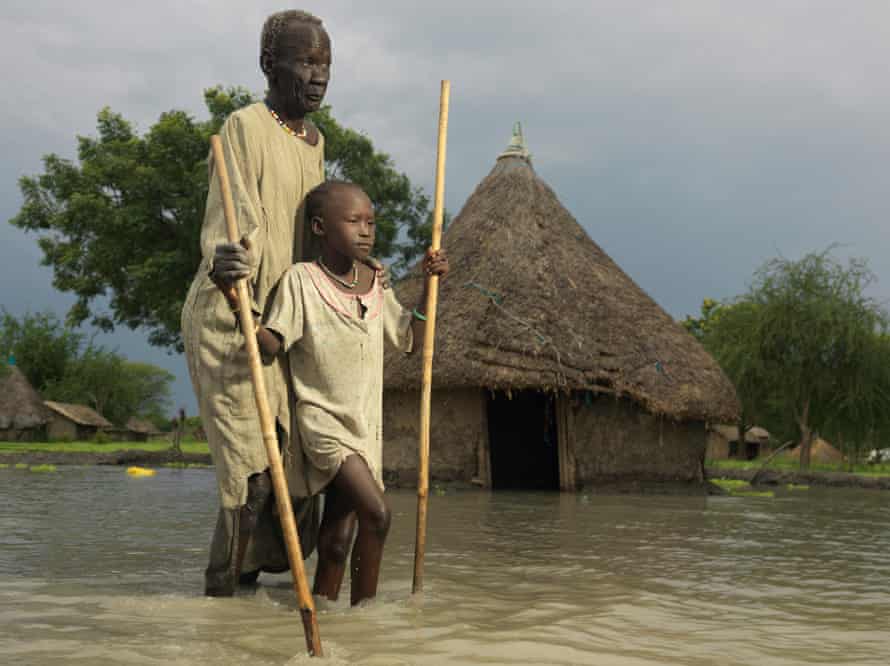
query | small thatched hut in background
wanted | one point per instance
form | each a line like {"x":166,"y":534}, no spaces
{"x":140,"y":430}
{"x":135,"y":430}
{"x":820,"y":452}
{"x":553,"y":369}
{"x":74,"y":422}
{"x":23,"y":416}
{"x":723,"y":442}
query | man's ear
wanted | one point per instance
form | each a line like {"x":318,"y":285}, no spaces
{"x":317,"y":225}
{"x":266,"y":67}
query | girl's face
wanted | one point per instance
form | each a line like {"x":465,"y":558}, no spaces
{"x":302,"y":71}
{"x":348,"y":223}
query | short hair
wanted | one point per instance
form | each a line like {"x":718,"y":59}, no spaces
{"x":272,"y":29}
{"x":319,"y":194}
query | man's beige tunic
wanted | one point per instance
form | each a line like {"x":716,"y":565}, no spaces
{"x":270,"y":172}
{"x":336,"y":364}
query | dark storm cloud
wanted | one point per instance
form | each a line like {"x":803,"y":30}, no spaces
{"x":692,"y":139}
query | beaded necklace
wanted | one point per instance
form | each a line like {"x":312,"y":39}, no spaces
{"x":349,"y":285}
{"x":299,"y":135}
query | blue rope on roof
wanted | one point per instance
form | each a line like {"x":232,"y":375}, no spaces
{"x":497,"y":298}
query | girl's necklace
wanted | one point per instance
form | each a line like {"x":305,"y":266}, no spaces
{"x":300,"y":135}
{"x":349,"y":285}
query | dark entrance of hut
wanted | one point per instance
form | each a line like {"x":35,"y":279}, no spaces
{"x":522,"y":440}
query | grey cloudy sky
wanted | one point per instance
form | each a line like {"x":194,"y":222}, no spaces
{"x":693,"y":139}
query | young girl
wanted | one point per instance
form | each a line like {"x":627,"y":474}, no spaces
{"x":331,"y":316}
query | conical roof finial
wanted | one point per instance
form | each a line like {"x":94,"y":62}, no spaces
{"x":517,"y":147}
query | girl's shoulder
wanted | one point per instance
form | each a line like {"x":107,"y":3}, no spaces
{"x":293,"y":278}
{"x":300,"y":270}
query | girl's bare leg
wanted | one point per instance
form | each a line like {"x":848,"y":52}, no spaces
{"x":354,"y":481}
{"x":334,"y":539}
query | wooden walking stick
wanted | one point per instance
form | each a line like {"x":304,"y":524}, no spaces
{"x":432,"y":298}
{"x":267,"y":424}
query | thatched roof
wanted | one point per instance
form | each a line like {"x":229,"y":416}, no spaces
{"x":80,"y":414}
{"x":20,"y":405}
{"x":533,"y":302}
{"x":141,"y":426}
{"x":754,"y":434}
{"x":820,"y":452}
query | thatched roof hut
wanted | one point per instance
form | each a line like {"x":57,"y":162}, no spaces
{"x":723,"y":442}
{"x":69,"y":421}
{"x":22,"y":413}
{"x":820,"y":452}
{"x":141,"y":426}
{"x":534,"y":304}
{"x":140,"y":430}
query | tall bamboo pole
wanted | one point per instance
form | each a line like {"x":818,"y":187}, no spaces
{"x":267,"y":424}
{"x":423,"y":471}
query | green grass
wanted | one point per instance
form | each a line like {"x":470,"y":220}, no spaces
{"x":731,"y":484}
{"x":21,"y":465}
{"x":882,"y":469}
{"x":4,"y":465}
{"x":42,"y":468}
{"x":797,"y":486}
{"x":183,"y":465}
{"x":739,"y":488}
{"x":92,"y":447}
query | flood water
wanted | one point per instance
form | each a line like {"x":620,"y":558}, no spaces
{"x":97,"y":567}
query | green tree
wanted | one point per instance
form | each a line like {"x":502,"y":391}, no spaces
{"x":123,"y":222}
{"x":113,"y":386}
{"x":724,"y":330}
{"x":53,"y":358}
{"x":42,"y":346}
{"x":859,"y":420}
{"x":806,"y":349}
{"x":417,"y":240}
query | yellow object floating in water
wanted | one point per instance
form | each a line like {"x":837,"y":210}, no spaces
{"x":140,"y":471}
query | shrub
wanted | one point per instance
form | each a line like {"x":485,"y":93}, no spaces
{"x":102,"y":438}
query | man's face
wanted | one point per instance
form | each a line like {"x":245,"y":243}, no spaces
{"x":301,"y":74}
{"x":348,"y":223}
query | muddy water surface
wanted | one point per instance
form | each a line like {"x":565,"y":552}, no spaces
{"x":97,"y":567}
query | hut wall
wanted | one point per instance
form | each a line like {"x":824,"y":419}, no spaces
{"x":616,"y":440}
{"x":61,"y":428}
{"x":718,"y":447}
{"x":35,"y":434}
{"x":458,"y":432}
{"x":85,"y":432}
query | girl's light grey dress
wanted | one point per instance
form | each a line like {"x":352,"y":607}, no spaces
{"x":335,"y":357}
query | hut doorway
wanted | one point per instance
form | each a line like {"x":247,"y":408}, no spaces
{"x":522,"y":440}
